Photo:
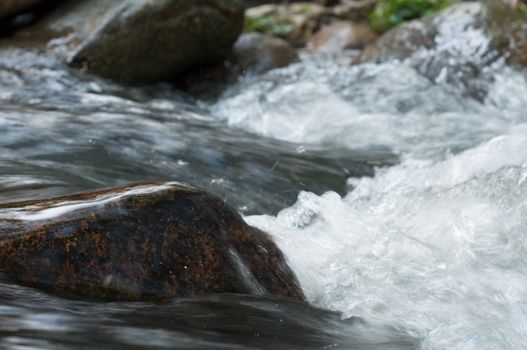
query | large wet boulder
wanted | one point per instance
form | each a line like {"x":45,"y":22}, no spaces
{"x":140,"y":41}
{"x":147,"y":241}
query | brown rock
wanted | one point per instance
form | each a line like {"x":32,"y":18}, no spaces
{"x":354,"y":10}
{"x":147,"y":241}
{"x":341,"y":35}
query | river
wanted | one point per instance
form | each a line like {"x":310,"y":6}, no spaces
{"x":396,"y":190}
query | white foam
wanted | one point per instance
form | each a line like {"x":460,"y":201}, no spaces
{"x":390,"y":104}
{"x":437,"y":248}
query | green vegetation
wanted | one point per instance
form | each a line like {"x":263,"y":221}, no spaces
{"x":390,"y":13}
{"x":279,"y":25}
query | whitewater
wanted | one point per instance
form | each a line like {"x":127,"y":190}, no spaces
{"x":435,"y":245}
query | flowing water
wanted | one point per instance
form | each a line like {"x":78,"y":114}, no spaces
{"x":410,"y":183}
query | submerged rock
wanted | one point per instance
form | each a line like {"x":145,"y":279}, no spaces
{"x":140,"y":41}
{"x":145,"y":241}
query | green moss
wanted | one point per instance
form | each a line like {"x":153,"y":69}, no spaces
{"x":279,"y":25}
{"x":390,"y":13}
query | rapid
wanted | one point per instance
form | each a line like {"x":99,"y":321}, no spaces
{"x":397,"y":191}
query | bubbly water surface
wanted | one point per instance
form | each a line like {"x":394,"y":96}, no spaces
{"x":435,"y":245}
{"x":390,"y":104}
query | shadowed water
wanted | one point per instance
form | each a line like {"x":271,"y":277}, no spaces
{"x":32,"y":320}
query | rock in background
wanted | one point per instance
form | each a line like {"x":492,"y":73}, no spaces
{"x":498,"y":30}
{"x":341,"y":35}
{"x":139,"y":41}
{"x":299,"y":22}
{"x":252,"y":54}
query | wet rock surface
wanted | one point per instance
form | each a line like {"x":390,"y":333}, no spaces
{"x":137,"y":42}
{"x":148,"y":241}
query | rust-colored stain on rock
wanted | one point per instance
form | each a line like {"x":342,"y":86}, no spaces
{"x":144,"y":241}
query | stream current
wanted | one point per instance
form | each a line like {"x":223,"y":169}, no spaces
{"x":398,"y":195}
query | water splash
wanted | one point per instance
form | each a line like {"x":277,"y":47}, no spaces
{"x":391,"y":104}
{"x":435,"y":247}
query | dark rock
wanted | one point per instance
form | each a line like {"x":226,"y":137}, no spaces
{"x":140,"y":41}
{"x":328,"y":2}
{"x":145,"y":241}
{"x":256,"y":53}
{"x":252,"y":54}
{"x":9,"y":8}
